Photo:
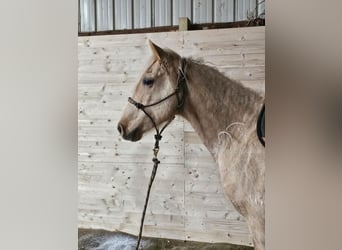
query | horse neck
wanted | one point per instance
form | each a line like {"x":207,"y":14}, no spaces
{"x":214,"y":102}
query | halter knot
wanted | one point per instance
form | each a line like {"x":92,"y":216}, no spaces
{"x":139,"y":105}
{"x":155,"y":160}
{"x":158,"y":137}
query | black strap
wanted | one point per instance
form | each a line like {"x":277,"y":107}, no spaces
{"x":261,"y":126}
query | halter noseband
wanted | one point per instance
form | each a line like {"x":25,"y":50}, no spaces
{"x":181,"y":84}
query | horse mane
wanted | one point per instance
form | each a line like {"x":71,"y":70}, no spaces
{"x":217,"y":78}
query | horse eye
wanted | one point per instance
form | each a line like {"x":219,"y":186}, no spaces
{"x":148,"y":81}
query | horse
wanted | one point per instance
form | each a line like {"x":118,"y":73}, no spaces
{"x":224,"y":114}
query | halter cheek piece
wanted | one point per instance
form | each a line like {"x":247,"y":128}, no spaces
{"x":181,"y":84}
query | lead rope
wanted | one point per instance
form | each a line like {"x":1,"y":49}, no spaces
{"x":153,"y":175}
{"x":156,"y":162}
{"x":157,"y":138}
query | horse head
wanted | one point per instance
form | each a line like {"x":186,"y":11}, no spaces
{"x":156,"y":97}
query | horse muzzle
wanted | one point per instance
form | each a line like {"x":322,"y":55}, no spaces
{"x":134,"y":135}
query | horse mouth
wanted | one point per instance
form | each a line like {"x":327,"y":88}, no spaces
{"x":133,"y":136}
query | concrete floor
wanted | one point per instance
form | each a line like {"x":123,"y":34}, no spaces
{"x":90,"y":239}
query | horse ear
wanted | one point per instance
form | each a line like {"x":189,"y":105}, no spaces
{"x":157,"y":51}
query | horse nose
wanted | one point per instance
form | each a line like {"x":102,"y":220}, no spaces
{"x":120,"y":129}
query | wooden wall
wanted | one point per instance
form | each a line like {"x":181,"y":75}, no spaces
{"x":186,"y":201}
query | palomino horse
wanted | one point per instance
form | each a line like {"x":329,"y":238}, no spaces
{"x":223,"y":112}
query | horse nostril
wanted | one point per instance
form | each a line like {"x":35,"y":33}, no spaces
{"x":120,"y":129}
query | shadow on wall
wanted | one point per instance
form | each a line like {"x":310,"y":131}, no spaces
{"x":92,"y":239}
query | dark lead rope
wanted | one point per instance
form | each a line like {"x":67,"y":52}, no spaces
{"x":156,"y":162}
{"x":181,"y":81}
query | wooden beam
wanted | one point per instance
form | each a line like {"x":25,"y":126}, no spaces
{"x":184,"y":23}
